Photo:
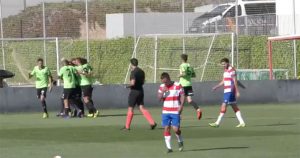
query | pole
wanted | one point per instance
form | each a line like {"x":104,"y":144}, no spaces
{"x":232,"y":49}
{"x":270,"y":60}
{"x":24,"y":4}
{"x":44,"y":33}
{"x":57,"y":59}
{"x":294,"y":41}
{"x":134,"y":21}
{"x":155,"y":59}
{"x":183,"y":26}
{"x":87,"y":31}
{"x":237,"y":32}
{"x":2,"y":43}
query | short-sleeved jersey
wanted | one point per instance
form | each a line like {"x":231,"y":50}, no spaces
{"x":41,"y":76}
{"x":171,"y":98}
{"x":228,"y":76}
{"x":139,"y":76}
{"x":68,"y":74}
{"x":85,"y":80}
{"x":185,"y":80}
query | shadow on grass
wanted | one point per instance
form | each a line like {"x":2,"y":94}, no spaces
{"x":277,"y":124}
{"x":220,"y":148}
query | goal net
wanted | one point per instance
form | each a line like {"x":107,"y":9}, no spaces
{"x":283,"y":52}
{"x":19,"y":56}
{"x":159,"y":53}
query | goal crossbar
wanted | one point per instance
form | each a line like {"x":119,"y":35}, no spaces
{"x":281,"y":38}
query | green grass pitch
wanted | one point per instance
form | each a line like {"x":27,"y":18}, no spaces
{"x":273,"y":131}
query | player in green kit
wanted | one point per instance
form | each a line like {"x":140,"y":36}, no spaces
{"x":86,"y":80}
{"x":67,"y":74}
{"x":43,"y":78}
{"x":186,"y":75}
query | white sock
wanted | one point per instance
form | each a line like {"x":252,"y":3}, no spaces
{"x":220,"y":118}
{"x":179,"y":138}
{"x":239,"y":117}
{"x":168,"y":141}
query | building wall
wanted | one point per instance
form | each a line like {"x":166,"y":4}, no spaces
{"x":147,"y":23}
{"x":22,"y":99}
{"x":285,"y":19}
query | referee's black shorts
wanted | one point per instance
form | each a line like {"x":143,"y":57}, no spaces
{"x":136,"y":97}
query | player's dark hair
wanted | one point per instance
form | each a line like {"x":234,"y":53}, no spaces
{"x":226,"y":60}
{"x":66,"y":62}
{"x":83,"y":61}
{"x":164,"y":75}
{"x":134,"y":62}
{"x":40,"y":60}
{"x":184,"y":57}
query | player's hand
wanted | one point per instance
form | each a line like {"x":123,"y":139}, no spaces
{"x":215,"y":88}
{"x":237,"y":94}
{"x":165,"y":89}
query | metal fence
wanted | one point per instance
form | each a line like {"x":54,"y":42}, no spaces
{"x":106,"y":31}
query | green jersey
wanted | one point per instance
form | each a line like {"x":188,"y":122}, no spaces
{"x":185,"y":80}
{"x":68,"y":74}
{"x":42,"y":76}
{"x":85,"y":80}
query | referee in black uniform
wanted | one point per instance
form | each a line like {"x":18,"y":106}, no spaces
{"x":136,"y":95}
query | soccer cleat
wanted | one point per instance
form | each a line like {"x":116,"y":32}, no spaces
{"x":169,"y":150}
{"x":90,"y":115}
{"x":125,"y":129}
{"x":180,"y":146}
{"x":96,"y":114}
{"x":213,"y":125}
{"x":152,"y":127}
{"x":45,"y":115}
{"x":199,"y":115}
{"x":241,"y":125}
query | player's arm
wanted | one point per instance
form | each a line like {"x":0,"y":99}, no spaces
{"x":182,"y":97}
{"x":132,"y":81}
{"x":160,"y":94}
{"x":181,"y":72}
{"x":218,"y":85}
{"x":31,"y":74}
{"x":237,"y":92}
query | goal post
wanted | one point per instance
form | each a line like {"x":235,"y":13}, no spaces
{"x":283,"y":49}
{"x":159,"y":53}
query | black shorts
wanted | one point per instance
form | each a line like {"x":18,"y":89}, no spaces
{"x":77,"y":93}
{"x":188,"y":91}
{"x":69,"y":93}
{"x":136,"y":97}
{"x":41,"y":92}
{"x":87,"y":90}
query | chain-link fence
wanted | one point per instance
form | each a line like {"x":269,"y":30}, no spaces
{"x":106,"y":32}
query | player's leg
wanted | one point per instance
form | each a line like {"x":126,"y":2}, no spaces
{"x":62,"y":106}
{"x":67,"y":97}
{"x":166,"y":124}
{"x":145,"y":112}
{"x":87,"y":99}
{"x":176,"y":127}
{"x":238,"y":115}
{"x":188,"y":91}
{"x":43,"y":101}
{"x":221,"y":115}
{"x":132,"y":99}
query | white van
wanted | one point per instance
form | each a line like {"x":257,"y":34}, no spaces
{"x":227,"y":10}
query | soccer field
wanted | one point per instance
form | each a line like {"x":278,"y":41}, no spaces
{"x":273,"y":131}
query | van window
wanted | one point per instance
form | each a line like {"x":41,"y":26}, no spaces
{"x":260,"y":8}
{"x":231,"y":12}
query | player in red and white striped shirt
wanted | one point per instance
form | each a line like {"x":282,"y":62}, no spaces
{"x":231,"y":91}
{"x":172,"y":95}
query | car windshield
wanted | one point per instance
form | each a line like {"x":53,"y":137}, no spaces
{"x":216,"y":11}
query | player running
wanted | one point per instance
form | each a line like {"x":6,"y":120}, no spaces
{"x":186,"y":82}
{"x":43,"y":78}
{"x":86,"y":80}
{"x":136,"y":95}
{"x":67,"y":74}
{"x":231,"y":91}
{"x":172,"y":95}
